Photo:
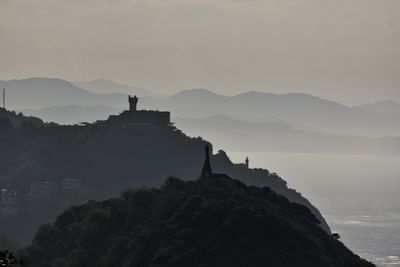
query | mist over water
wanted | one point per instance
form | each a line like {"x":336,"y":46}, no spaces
{"x":358,"y":196}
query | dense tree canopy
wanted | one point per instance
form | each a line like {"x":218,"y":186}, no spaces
{"x":216,"y":221}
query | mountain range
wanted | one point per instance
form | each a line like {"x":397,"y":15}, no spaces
{"x":297,"y":110}
{"x":38,"y":93}
{"x":102,"y":86}
{"x":386,"y":106}
{"x":239,"y":135}
{"x":73,"y":114}
{"x":306,"y":117}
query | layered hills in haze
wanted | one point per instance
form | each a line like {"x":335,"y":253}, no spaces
{"x":38,"y":93}
{"x":239,"y":135}
{"x":387,"y":107}
{"x":334,"y":127}
{"x":73,"y":114}
{"x":102,"y":86}
{"x":297,"y":110}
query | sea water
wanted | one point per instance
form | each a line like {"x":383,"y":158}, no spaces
{"x":359,"y":196}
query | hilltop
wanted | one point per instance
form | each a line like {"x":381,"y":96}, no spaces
{"x":46,"y":169}
{"x":212,"y":221}
{"x":11,"y":119}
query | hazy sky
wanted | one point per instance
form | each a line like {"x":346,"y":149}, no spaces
{"x":344,"y":50}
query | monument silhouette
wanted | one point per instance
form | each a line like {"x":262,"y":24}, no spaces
{"x":206,"y":171}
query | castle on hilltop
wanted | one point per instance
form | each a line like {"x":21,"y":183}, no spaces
{"x":133,"y":116}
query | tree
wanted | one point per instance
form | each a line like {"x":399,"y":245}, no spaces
{"x":336,"y":236}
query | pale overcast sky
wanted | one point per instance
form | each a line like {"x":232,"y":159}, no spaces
{"x":344,"y":50}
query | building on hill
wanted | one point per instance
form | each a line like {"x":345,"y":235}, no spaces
{"x":245,"y":164}
{"x":140,"y":117}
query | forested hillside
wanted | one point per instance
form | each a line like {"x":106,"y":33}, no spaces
{"x":71,"y":164}
{"x":212,"y":221}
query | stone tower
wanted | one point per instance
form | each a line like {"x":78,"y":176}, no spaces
{"x":133,"y":103}
{"x":246,"y":162}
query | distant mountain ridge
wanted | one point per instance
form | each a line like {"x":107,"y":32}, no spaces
{"x":73,"y":114}
{"x":301,"y":111}
{"x":385,"y":106}
{"x":304,"y":111}
{"x":237,"y":135}
{"x":103,"y":86}
{"x":37,"y":93}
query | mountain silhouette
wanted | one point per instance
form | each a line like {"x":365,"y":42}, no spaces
{"x":103,"y":86}
{"x":12,"y":119}
{"x":107,"y":158}
{"x":212,"y":221}
{"x":386,"y":106}
{"x":238,"y":135}
{"x":299,"y":111}
{"x":36,"y":93}
{"x":73,"y":114}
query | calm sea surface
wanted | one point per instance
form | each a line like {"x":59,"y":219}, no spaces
{"x":359,"y":196}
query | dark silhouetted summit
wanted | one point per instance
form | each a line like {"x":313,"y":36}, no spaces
{"x":216,"y":222}
{"x":10,"y":119}
{"x":133,"y":116}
